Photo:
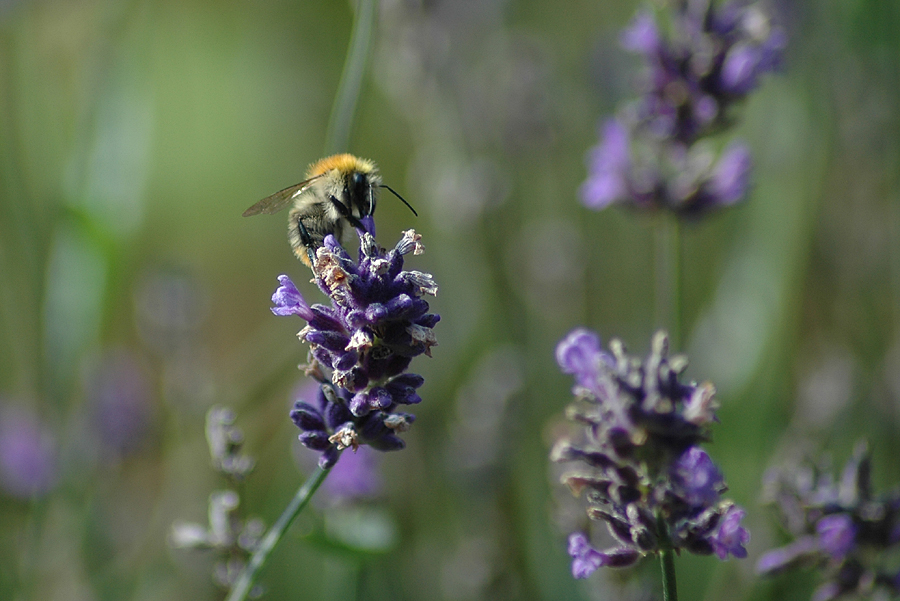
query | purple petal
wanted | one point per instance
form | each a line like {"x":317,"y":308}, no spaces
{"x":355,"y":476}
{"x":307,"y":417}
{"x":837,"y":534}
{"x":698,"y":476}
{"x":729,"y":181}
{"x":730,"y":537}
{"x":579,"y":354}
{"x":609,"y":165}
{"x":827,"y":592}
{"x":783,"y":557}
{"x":317,"y":441}
{"x":369,"y":224}
{"x":740,"y":69}
{"x":641,"y":35}
{"x":289,"y":301}
{"x":332,"y":341}
{"x":585,"y":558}
{"x":28,"y":464}
{"x":329,"y":457}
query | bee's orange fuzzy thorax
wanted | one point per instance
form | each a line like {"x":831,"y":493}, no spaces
{"x":345,"y":163}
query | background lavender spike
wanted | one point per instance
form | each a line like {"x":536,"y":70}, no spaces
{"x":638,"y":462}
{"x":837,"y":525}
{"x":698,"y":65}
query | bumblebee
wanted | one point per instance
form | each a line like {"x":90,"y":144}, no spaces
{"x":338,"y":190}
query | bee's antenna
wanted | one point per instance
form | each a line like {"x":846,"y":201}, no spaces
{"x":403,"y":200}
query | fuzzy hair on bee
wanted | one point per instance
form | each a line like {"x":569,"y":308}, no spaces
{"x":338,"y":190}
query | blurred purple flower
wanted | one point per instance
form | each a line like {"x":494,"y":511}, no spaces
{"x":837,"y":534}
{"x":747,"y":60}
{"x":638,"y":462}
{"x":782,"y":558}
{"x":729,"y":180}
{"x":840,"y":527}
{"x":609,"y":166}
{"x":28,"y":462}
{"x":713,"y":58}
{"x":119,"y":395}
{"x":709,"y":58}
{"x":730,"y":537}
{"x":355,"y":476}
{"x":642,"y":35}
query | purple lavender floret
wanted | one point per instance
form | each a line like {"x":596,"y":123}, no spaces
{"x":697,"y":477}
{"x":28,"y":461}
{"x":638,"y":460}
{"x":652,"y":156}
{"x":713,"y":58}
{"x":329,"y":426}
{"x":730,"y":537}
{"x":838,"y":526}
{"x":376,"y":324}
{"x":586,"y":559}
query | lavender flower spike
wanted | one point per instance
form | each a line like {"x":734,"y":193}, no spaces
{"x":638,"y":461}
{"x":838,"y":526}
{"x":698,"y":66}
{"x":361,"y":346}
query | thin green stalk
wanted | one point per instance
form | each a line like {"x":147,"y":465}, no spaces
{"x":338,"y":135}
{"x":247,"y":577}
{"x":666,"y":561}
{"x":667,"y":258}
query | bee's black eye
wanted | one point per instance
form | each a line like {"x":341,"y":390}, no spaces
{"x":359,"y":193}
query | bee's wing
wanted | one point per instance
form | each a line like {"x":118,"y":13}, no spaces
{"x":279,"y":200}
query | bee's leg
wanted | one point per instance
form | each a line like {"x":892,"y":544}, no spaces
{"x":306,"y":241}
{"x":346,"y":213}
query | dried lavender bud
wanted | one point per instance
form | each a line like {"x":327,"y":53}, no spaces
{"x":232,"y":538}
{"x":225,"y":442}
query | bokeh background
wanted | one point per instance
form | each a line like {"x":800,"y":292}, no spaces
{"x":133,"y":296}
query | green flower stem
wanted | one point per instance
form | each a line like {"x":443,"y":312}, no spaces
{"x":338,"y":135}
{"x":666,"y":561}
{"x":247,"y":577}
{"x":667,"y":255}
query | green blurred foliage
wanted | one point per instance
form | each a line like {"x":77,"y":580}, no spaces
{"x":133,"y":135}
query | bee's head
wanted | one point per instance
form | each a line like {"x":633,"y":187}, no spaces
{"x":361,"y":193}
